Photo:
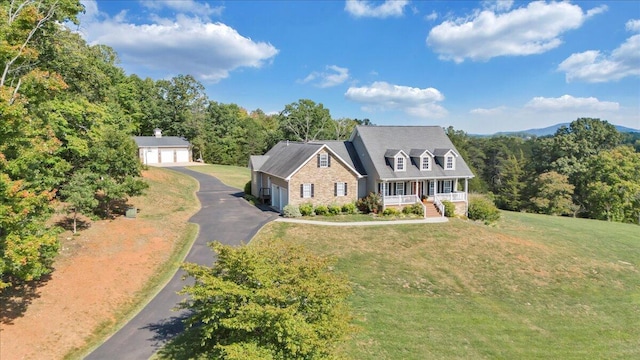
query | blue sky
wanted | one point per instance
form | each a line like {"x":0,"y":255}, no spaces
{"x":481,"y":66}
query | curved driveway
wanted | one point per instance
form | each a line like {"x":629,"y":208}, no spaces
{"x":225,"y":217}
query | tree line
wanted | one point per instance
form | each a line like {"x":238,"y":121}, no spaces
{"x":69,"y":111}
{"x":586,"y":169}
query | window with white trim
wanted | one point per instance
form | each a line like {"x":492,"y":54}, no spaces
{"x":449,"y":164}
{"x":399,"y":188}
{"x":324,"y":160}
{"x":341,"y":189}
{"x":447,"y":186}
{"x":425,"y":163}
{"x":306,"y":190}
{"x":400,"y":163}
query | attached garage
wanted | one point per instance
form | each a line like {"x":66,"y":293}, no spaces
{"x":160,"y":149}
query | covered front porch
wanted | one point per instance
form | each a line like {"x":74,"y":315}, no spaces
{"x":407,"y":192}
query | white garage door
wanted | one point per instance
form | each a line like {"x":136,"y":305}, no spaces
{"x":166,"y":156}
{"x":182,"y":155}
{"x":284,"y":197}
{"x":151,"y":156}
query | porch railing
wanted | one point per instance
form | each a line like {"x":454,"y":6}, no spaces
{"x":454,"y":196}
{"x":400,"y":199}
{"x":439,"y":205}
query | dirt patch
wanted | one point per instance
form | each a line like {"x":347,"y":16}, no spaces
{"x":96,"y":274}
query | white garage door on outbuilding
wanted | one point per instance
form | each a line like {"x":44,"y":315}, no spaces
{"x":160,"y":149}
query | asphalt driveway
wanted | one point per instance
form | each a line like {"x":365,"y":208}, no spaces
{"x":225,"y":217}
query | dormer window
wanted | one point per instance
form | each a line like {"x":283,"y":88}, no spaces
{"x":425,"y":163}
{"x":399,"y":163}
{"x":449,"y":162}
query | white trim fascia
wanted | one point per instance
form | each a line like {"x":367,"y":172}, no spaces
{"x":426,"y":178}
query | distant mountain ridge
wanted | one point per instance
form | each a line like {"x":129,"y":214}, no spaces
{"x":551,"y":130}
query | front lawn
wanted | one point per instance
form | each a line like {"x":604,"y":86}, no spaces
{"x":532,"y":287}
{"x":233,"y":176}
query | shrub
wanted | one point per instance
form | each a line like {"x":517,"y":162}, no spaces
{"x":449,"y":208}
{"x":306,"y":209}
{"x":247,"y":188}
{"x":291,"y":211}
{"x":370,"y":203}
{"x":321,"y":210}
{"x":416,"y":209}
{"x":335,"y":209}
{"x":349,"y":208}
{"x":390,"y":212}
{"x":481,"y":208}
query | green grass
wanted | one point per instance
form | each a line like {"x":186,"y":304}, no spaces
{"x":233,"y":176}
{"x":531,"y":287}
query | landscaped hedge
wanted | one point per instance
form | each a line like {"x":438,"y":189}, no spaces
{"x":291,"y":211}
{"x":449,"y":208}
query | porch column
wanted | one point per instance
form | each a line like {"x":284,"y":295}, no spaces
{"x":455,"y":185}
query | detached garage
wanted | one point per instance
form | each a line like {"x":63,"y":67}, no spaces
{"x":163,"y":150}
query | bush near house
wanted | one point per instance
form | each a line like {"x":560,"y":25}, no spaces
{"x":370,"y":203}
{"x":291,"y":211}
{"x":335,"y":209}
{"x":321,"y":210}
{"x":416,"y":209}
{"x":247,"y":188}
{"x":306,"y":209}
{"x":483,"y":208}
{"x":449,"y":208}
{"x":390,"y":212}
{"x":349,"y":208}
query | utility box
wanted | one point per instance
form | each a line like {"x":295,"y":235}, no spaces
{"x":131,"y":212}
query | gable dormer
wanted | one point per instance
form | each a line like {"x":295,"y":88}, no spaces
{"x":422,"y":158}
{"x":398,"y":159}
{"x":446,"y":158}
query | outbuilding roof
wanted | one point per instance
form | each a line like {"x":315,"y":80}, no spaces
{"x":165,"y":141}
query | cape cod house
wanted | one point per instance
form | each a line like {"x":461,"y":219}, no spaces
{"x":404,"y":164}
{"x":158,"y":149}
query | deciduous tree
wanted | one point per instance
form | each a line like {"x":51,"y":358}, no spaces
{"x":263,"y":301}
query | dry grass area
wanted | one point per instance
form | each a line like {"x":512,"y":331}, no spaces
{"x":102,"y":275}
{"x":533,"y":287}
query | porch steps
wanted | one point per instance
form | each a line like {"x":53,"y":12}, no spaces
{"x":432,"y":211}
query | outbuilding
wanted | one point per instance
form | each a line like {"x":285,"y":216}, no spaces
{"x":158,"y":149}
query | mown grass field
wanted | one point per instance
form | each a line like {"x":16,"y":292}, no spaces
{"x":233,"y":176}
{"x":532,"y":287}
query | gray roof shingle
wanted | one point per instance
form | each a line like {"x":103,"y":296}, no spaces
{"x":378,"y":139}
{"x":287,"y":156}
{"x":165,"y":141}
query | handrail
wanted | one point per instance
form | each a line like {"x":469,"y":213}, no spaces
{"x":439,"y":205}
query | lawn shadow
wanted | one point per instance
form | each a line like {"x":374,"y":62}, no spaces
{"x":16,"y":299}
{"x":67,"y":223}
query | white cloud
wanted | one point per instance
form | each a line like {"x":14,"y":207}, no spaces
{"x":594,"y":66}
{"x":498,"y":5}
{"x":529,"y":30}
{"x":633,"y":25}
{"x":570,"y":103}
{"x":334,"y":75}
{"x":488,"y":112}
{"x":382,"y":96}
{"x":184,"y":6}
{"x":363,"y":8}
{"x":431,"y":17}
{"x":207,"y":50}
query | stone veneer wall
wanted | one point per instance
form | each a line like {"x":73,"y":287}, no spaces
{"x":323,"y":180}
